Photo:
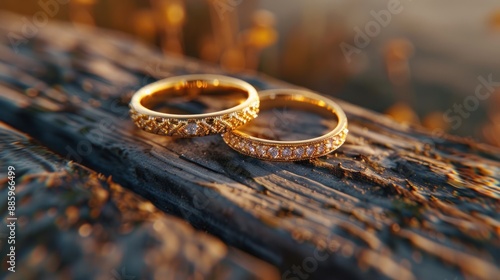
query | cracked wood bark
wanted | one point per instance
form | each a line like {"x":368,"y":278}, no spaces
{"x":74,"y":223}
{"x":393,"y":202}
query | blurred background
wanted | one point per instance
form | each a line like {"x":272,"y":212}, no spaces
{"x":432,"y":63}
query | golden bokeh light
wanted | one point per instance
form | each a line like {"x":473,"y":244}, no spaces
{"x":174,"y":14}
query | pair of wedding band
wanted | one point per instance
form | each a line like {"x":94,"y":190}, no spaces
{"x":144,"y":112}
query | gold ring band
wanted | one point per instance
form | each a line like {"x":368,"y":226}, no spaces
{"x":192,"y":125}
{"x":292,"y":150}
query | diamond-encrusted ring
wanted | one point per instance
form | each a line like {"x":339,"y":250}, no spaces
{"x":151,"y":107}
{"x":292,"y":150}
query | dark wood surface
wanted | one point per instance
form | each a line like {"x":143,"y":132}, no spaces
{"x":74,"y":223}
{"x":393,"y":202}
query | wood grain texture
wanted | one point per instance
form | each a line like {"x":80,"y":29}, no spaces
{"x":74,"y":223}
{"x":394,"y":202}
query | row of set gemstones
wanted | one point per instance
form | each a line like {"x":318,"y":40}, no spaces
{"x":189,"y":128}
{"x":285,"y":152}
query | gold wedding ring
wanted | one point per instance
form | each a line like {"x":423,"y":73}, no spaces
{"x":151,"y":106}
{"x":292,"y":150}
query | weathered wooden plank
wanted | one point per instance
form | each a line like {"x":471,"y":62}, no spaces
{"x":74,"y":223}
{"x":393,"y":202}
